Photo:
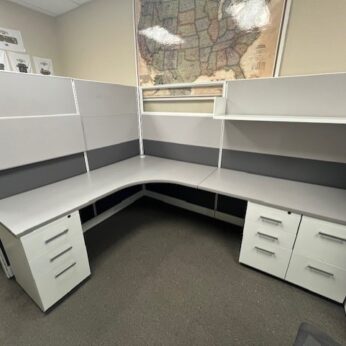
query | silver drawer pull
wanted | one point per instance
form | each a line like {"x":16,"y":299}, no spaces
{"x":320,"y":271}
{"x":267,"y":252}
{"x":65,"y":270}
{"x":332,"y":237}
{"x":56,"y":236}
{"x":267,"y":236}
{"x":268,"y":219}
{"x":60,"y":254}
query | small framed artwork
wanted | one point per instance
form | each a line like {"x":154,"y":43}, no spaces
{"x":4,"y":64}
{"x":20,"y":62}
{"x":43,"y":66}
{"x":11,"y":40}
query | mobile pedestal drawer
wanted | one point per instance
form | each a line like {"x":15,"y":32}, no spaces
{"x":316,"y":276}
{"x":322,"y":240}
{"x":51,"y":260}
{"x":268,"y":239}
{"x":319,"y":258}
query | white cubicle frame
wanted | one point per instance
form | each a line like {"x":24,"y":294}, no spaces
{"x":223,"y":112}
{"x":142,"y":99}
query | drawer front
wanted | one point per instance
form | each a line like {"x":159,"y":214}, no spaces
{"x":50,"y":263}
{"x":55,"y":280}
{"x":257,"y":232}
{"x":270,"y":259}
{"x":318,"y":277}
{"x":322,"y":240}
{"x":272,"y":219}
{"x":49,"y":238}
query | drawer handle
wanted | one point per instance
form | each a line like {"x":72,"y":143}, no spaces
{"x":332,"y":237}
{"x":320,"y":271}
{"x":267,"y":252}
{"x":267,"y":236}
{"x":268,"y":219}
{"x":56,"y":236}
{"x":61,"y":254}
{"x":65,"y":270}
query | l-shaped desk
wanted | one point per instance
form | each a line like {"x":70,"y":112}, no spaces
{"x":42,"y":233}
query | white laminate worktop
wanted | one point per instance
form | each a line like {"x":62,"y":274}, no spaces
{"x":308,"y":199}
{"x":27,"y":211}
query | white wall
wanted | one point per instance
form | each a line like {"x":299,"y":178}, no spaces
{"x":316,"y":38}
{"x":38,"y":30}
{"x":97,"y":42}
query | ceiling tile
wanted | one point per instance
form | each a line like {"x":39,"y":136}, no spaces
{"x":51,"y":7}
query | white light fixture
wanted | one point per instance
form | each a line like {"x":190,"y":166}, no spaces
{"x":162,"y":36}
{"x":249,"y":14}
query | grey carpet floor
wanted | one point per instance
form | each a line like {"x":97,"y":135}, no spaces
{"x":164,"y":276}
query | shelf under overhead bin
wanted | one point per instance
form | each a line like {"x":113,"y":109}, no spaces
{"x":182,"y":93}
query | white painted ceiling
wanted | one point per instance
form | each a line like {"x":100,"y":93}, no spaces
{"x":51,"y":7}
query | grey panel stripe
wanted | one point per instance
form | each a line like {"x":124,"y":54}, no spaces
{"x":325,"y":173}
{"x":24,"y":178}
{"x":182,"y":152}
{"x":107,"y":155}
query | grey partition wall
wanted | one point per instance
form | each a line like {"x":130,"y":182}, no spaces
{"x":313,"y":96}
{"x":41,"y":137}
{"x":28,"y":95}
{"x":110,"y":121}
{"x":28,"y":140}
{"x":308,"y":152}
{"x":312,"y":153}
{"x":190,"y":139}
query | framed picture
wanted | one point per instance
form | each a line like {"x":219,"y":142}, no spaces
{"x":4,"y":64}
{"x":11,"y":40}
{"x":20,"y":62}
{"x":203,"y":41}
{"x":43,"y":66}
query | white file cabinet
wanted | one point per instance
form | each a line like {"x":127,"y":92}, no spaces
{"x":268,"y":238}
{"x":308,"y":252}
{"x":50,"y":261}
{"x":319,"y":258}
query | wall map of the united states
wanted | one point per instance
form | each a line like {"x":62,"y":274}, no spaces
{"x":201,"y":40}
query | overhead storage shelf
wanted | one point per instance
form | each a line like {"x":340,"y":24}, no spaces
{"x":283,"y":119}
{"x":299,"y":99}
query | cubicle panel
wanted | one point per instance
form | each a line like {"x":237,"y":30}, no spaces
{"x":28,"y":95}
{"x":28,"y":140}
{"x":312,"y":153}
{"x":110,"y":121}
{"x":191,"y":139}
{"x":110,"y":130}
{"x":105,"y":99}
{"x":29,"y":177}
{"x":325,"y":142}
{"x":104,"y":156}
{"x":316,"y":95}
{"x":325,"y":173}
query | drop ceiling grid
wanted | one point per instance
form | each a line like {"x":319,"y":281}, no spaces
{"x":51,"y":7}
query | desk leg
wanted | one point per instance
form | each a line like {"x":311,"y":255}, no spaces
{"x":5,"y":262}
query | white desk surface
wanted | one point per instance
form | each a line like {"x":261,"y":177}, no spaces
{"x":312,"y":200}
{"x":24,"y":212}
{"x":27,"y":211}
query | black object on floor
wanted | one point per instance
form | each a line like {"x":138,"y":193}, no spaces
{"x":309,"y":335}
